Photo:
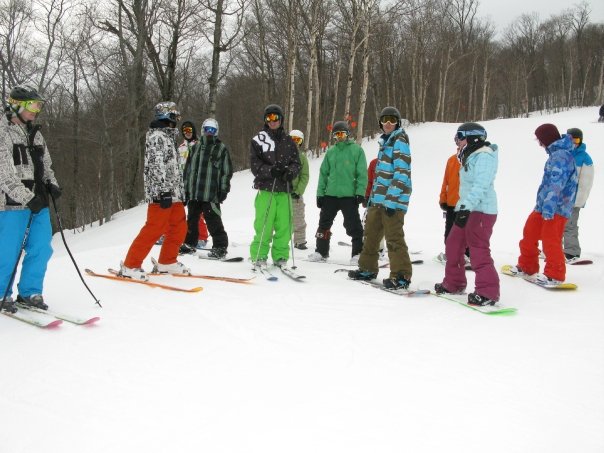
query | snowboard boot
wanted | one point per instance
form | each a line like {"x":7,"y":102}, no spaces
{"x":9,"y":305}
{"x":174,"y":268}
{"x":218,"y":252}
{"x":135,"y":273}
{"x":397,"y":282}
{"x":360,"y":274}
{"x":544,"y":280}
{"x":440,"y":289}
{"x":33,"y":301}
{"x":480,"y":301}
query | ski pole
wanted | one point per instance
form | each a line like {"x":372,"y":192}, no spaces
{"x":291,"y":226}
{"x":12,"y":277}
{"x":270,"y":201}
{"x":54,"y":205}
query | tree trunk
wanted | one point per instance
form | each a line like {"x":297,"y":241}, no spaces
{"x":363,"y":92}
{"x":216,"y":50}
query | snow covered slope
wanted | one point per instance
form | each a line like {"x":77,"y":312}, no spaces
{"x":327,"y":365}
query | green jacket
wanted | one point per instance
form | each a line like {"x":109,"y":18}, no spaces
{"x":299,"y":184}
{"x":343,"y":172}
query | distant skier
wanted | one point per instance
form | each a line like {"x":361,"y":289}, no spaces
{"x":601,"y":119}
{"x":341,"y":187}
{"x":585,"y":175}
{"x":275,"y":162}
{"x":298,"y":188}
{"x":555,"y":200}
{"x":164,"y":193}
{"x":26,"y":178}
{"x":476,"y":213}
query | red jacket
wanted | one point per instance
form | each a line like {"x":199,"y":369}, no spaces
{"x":449,"y":192}
{"x":370,"y":177}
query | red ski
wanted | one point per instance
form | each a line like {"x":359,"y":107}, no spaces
{"x":113,"y":275}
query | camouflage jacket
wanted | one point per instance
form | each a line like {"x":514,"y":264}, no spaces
{"x":17,"y":184}
{"x":162,"y":170}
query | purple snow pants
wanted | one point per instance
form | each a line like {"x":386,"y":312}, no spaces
{"x":476,"y":236}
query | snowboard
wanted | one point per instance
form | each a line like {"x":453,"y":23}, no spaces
{"x":505,"y":269}
{"x":494,"y":310}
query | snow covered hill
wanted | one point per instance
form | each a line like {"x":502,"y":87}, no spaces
{"x":327,"y":365}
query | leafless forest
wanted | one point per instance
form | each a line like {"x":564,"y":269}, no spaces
{"x":103,"y":65}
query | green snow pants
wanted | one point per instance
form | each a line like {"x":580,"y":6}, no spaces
{"x":272,"y":224}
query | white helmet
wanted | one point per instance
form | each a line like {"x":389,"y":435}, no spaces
{"x":210,"y":123}
{"x":297,"y":133}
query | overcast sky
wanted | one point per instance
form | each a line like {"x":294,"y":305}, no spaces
{"x":503,"y":12}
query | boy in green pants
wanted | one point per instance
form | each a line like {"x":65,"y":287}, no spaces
{"x":274,"y":162}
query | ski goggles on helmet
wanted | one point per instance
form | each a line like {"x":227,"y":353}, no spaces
{"x":31,"y":106}
{"x":462,"y":135}
{"x":210,"y":130}
{"x":340,"y":134}
{"x":389,"y":119}
{"x":187,"y":130}
{"x":297,"y":140}
{"x":272,"y":117}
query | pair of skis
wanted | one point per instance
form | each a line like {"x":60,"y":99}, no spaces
{"x":290,"y":272}
{"x":48,"y":318}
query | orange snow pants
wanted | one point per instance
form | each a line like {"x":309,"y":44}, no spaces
{"x":170,"y":222}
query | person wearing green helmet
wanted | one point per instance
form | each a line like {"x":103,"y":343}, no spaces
{"x":26,"y":182}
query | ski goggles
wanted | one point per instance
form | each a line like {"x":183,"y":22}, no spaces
{"x":30,"y":106}
{"x":210,"y":130}
{"x":298,"y":140}
{"x":272,"y":117}
{"x":461,"y":135}
{"x":187,"y":130}
{"x":340,"y":134}
{"x":389,"y":119}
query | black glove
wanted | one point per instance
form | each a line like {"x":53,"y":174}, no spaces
{"x":444,"y":206}
{"x":320,"y":202}
{"x":295,"y":196}
{"x":277,"y":171}
{"x":390,"y":212}
{"x":461,"y":218}
{"x":54,"y":190}
{"x":287,"y":175}
{"x":165,"y":200}
{"x":222,"y":197}
{"x":360,"y":199}
{"x":35,"y":204}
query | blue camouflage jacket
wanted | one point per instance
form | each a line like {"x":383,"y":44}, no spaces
{"x":558,"y":189}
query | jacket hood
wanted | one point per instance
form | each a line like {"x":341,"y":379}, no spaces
{"x":563,"y":144}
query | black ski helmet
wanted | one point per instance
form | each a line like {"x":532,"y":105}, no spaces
{"x":274,"y":108}
{"x":575,"y":132}
{"x":340,"y":126}
{"x":390,"y":111}
{"x":473,"y":132}
{"x":24,"y":93}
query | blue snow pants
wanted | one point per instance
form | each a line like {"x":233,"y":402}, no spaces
{"x":37,"y":250}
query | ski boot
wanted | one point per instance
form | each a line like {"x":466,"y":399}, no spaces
{"x":135,"y":273}
{"x":174,"y":268}
{"x":9,"y":305}
{"x":33,"y":301}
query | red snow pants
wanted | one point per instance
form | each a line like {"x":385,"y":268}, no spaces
{"x":170,"y":222}
{"x":549,"y":232}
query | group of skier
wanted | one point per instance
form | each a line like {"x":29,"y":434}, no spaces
{"x":197,"y":175}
